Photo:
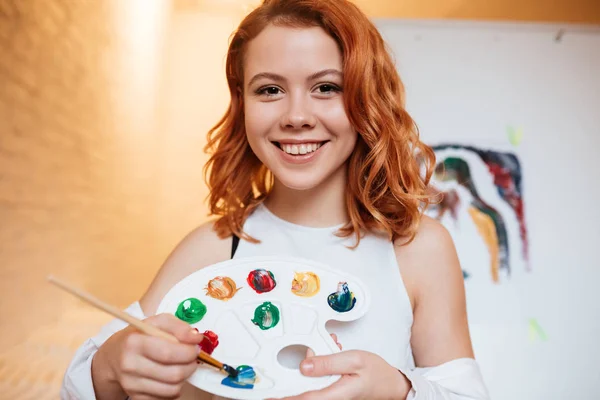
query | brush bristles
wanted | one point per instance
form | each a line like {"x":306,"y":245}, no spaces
{"x":232,"y":372}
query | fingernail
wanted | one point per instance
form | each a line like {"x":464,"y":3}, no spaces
{"x":195,"y":331}
{"x":307,"y":366}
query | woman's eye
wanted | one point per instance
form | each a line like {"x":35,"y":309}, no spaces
{"x":269,"y":91}
{"x":327,"y":88}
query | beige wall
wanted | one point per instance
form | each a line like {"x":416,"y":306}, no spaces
{"x":194,"y":96}
{"x":104,"y":108}
{"x":574,"y":11}
{"x":79,"y":135}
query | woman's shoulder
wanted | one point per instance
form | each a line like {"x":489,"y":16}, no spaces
{"x":198,"y":249}
{"x":431,"y":235}
{"x":430,"y":257}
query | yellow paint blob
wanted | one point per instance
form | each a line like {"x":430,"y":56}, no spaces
{"x":305,"y":284}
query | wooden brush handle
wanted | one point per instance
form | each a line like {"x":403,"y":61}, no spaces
{"x":114,"y":311}
{"x":122,"y":315}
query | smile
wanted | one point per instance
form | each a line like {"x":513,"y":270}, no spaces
{"x":299,"y":148}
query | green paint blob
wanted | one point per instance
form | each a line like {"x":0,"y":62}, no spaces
{"x":266,"y":316}
{"x":191,"y":310}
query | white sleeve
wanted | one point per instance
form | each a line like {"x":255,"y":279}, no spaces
{"x":77,"y":382}
{"x":458,"y":379}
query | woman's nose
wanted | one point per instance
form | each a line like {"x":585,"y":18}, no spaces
{"x":299,"y":115}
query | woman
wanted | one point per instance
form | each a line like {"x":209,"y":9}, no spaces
{"x":316,"y":157}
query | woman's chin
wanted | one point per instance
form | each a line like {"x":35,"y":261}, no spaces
{"x":298,"y":183}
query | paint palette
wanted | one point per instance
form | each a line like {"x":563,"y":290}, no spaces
{"x":250,"y":309}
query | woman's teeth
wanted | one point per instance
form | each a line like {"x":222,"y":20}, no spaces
{"x":303,"y":148}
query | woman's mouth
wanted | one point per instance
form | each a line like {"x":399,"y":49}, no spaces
{"x":303,"y":148}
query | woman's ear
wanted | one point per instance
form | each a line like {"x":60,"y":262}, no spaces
{"x":240,"y":98}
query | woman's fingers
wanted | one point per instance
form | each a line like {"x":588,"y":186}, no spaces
{"x":335,"y":339}
{"x":176,"y":327}
{"x":311,"y":353}
{"x":150,"y":389}
{"x":163,"y":352}
{"x":170,"y":374}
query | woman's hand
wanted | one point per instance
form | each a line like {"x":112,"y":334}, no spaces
{"x":364,"y":376}
{"x":310,"y":353}
{"x":146,"y":367}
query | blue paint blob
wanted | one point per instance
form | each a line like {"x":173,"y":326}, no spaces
{"x":245,"y":379}
{"x":343,"y":300}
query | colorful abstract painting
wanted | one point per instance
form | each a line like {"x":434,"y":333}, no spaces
{"x":482,"y":189}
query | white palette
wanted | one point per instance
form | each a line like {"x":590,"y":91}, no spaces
{"x":241,"y":342}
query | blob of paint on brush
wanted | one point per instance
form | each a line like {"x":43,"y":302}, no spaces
{"x":210,"y":342}
{"x":266,"y":316}
{"x":261,"y":280}
{"x":221,"y":288}
{"x":191,"y":310}
{"x":343,"y":300}
{"x":305,"y":284}
{"x":245,"y":379}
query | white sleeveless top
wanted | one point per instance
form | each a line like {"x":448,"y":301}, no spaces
{"x":385,"y":329}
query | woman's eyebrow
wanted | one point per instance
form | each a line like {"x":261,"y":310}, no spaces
{"x":320,"y":74}
{"x":279,"y":78}
{"x":267,"y":75}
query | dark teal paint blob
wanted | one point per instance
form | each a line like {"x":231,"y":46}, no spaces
{"x":343,"y":300}
{"x":245,"y":379}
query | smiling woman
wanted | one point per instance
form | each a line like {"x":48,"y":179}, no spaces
{"x":316,"y":73}
{"x":316,"y":157}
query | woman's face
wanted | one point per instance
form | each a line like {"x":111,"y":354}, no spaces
{"x":295,"y":119}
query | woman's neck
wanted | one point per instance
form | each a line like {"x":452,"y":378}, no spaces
{"x":321,"y":206}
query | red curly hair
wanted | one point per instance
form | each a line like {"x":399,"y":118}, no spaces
{"x":386,"y":183}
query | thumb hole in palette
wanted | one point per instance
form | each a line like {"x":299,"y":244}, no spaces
{"x":291,"y":356}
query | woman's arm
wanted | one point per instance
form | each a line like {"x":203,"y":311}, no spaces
{"x":440,"y":339}
{"x":433,"y":278}
{"x":88,"y":375}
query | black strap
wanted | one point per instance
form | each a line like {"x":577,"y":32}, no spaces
{"x":234,"y":244}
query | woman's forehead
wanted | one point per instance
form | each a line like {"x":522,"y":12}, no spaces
{"x":291,"y":51}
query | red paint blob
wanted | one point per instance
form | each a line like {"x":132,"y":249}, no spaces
{"x":261,"y":280}
{"x":210,"y":342}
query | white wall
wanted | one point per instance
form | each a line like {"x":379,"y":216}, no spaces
{"x":466,"y":82}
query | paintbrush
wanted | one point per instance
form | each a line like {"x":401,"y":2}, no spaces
{"x":139,"y":324}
